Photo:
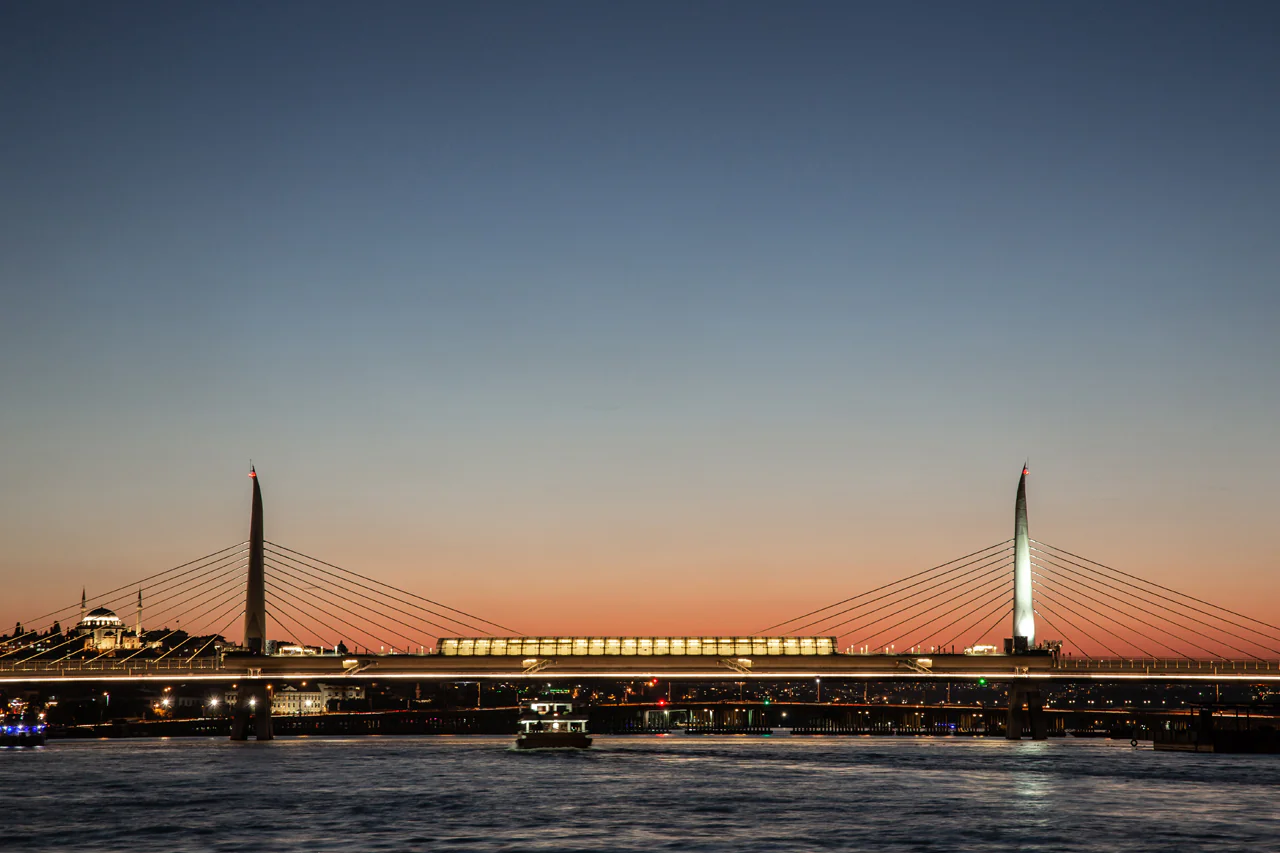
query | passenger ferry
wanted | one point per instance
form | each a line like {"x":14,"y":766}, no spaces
{"x":21,"y":734}
{"x":552,"y":725}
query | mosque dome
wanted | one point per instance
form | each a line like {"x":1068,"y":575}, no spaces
{"x":100,"y":617}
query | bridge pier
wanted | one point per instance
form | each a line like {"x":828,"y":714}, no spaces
{"x":1021,"y":696}
{"x":252,"y":703}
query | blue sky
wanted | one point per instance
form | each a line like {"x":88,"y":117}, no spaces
{"x":589,"y":290}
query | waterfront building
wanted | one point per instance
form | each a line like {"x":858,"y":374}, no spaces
{"x":288,"y":700}
{"x":334,"y":694}
{"x":292,"y":700}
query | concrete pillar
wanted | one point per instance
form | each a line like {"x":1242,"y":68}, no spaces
{"x":1036,"y":716}
{"x":1024,"y":620}
{"x":1036,"y":720}
{"x":262,"y":715}
{"x":240,"y":718}
{"x":253,"y":706}
{"x":1013,"y":720}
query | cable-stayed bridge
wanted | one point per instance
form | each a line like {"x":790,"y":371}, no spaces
{"x":1020,"y":611}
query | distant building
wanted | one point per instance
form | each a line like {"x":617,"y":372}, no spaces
{"x":337,"y":693}
{"x":289,"y":700}
{"x":103,"y":631}
{"x":282,"y":647}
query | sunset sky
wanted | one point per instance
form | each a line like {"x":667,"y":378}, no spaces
{"x":602,"y":318}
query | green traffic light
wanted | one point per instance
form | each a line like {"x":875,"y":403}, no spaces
{"x":982,"y":682}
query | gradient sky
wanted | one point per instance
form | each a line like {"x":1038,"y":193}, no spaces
{"x":608,"y":318}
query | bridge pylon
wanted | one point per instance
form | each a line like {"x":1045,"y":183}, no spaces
{"x":255,"y":606}
{"x":253,"y":701}
{"x":1024,"y":618}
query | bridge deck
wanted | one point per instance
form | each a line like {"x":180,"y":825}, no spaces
{"x":998,"y":668}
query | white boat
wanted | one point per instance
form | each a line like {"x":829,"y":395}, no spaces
{"x":552,"y":725}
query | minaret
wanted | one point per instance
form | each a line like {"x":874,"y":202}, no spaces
{"x":84,"y":605}
{"x":139,"y":628}
{"x":255,"y":609}
{"x":1024,"y":620}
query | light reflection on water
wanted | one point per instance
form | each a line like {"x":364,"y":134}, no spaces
{"x":687,"y":793}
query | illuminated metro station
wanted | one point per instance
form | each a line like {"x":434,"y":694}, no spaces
{"x":609,"y":646}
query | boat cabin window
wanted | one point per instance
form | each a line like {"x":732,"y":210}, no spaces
{"x":551,"y":707}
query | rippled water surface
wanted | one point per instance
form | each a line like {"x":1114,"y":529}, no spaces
{"x":644,"y":794}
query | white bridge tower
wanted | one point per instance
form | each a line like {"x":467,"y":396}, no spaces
{"x":1024,"y":619}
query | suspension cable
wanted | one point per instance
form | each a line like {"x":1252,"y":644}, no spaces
{"x":879,"y":588}
{"x":1084,"y":580}
{"x":1101,"y":578}
{"x":1000,"y":593}
{"x":300,"y":631}
{"x":999,"y":607}
{"x":990,"y":564}
{"x":949,"y":586}
{"x":328,"y":603}
{"x":302,"y":618}
{"x":1076,"y":627}
{"x":221,"y":633}
{"x":234,"y":596}
{"x":396,"y":589}
{"x":309,"y":571}
{"x":98,"y":600}
{"x":1174,"y":591}
{"x":1073,"y":588}
{"x":1053,"y":597}
{"x":985,"y":587}
{"x":355,"y":628}
{"x":1058,"y":631}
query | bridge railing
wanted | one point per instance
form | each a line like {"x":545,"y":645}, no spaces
{"x":112,"y":667}
{"x":1207,"y":667}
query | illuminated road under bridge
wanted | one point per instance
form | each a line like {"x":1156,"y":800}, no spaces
{"x":942,"y":623}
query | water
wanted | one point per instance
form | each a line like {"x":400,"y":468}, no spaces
{"x":634,"y":794}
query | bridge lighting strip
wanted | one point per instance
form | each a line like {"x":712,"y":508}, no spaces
{"x":997,"y":677}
